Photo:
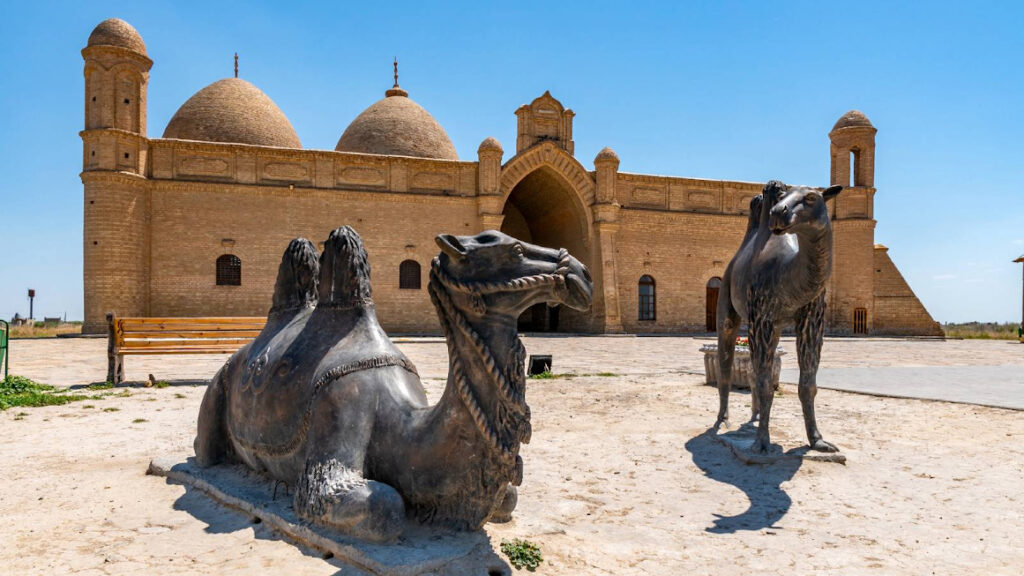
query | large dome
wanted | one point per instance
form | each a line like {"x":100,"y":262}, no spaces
{"x":397,"y":126}
{"x":853,"y":118}
{"x":232,"y":110}
{"x":117,"y":32}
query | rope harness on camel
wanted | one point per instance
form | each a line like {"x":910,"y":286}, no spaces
{"x":452,"y":320}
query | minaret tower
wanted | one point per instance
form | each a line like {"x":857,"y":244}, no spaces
{"x":851,"y":298}
{"x":116,"y":223}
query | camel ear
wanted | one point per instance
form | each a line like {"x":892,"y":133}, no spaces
{"x":451,"y":246}
{"x":831,"y":192}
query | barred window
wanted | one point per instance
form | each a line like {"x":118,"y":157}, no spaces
{"x":409,"y":275}
{"x":860,"y":320}
{"x":646,"y":301}
{"x":229,"y":270}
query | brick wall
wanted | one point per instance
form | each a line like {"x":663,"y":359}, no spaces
{"x":897,"y":309}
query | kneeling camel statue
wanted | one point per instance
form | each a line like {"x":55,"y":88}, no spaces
{"x":323,"y":401}
{"x":777,"y":278}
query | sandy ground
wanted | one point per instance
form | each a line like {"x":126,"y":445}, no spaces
{"x":620,"y":477}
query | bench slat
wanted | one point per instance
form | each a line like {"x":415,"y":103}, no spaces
{"x":133,"y":352}
{"x":169,"y":343}
{"x":191,"y":334}
{"x":129,"y":327}
{"x":204,"y":320}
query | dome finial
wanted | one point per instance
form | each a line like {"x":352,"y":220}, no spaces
{"x":396,"y":90}
{"x":236,"y":64}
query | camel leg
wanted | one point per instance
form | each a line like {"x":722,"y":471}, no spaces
{"x":212,"y":445}
{"x":503,"y":511}
{"x":331,"y":489}
{"x":764,"y":339}
{"x":809,"y":331}
{"x":728,"y":324}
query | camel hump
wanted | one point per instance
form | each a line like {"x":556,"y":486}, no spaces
{"x":297,"y":276}
{"x":344,"y":270}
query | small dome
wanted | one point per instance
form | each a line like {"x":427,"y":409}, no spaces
{"x":232,"y":110}
{"x":490,"y":144}
{"x":397,"y":126}
{"x":117,"y":32}
{"x":853,"y":118}
{"x":605,"y":155}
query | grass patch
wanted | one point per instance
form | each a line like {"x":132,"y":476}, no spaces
{"x":139,"y":421}
{"x":111,"y":409}
{"x":40,"y":330}
{"x":179,"y":395}
{"x":86,"y":406}
{"x":100,"y":386}
{"x":606,"y":374}
{"x":161,"y":384}
{"x":982,"y":330}
{"x":23,"y":392}
{"x":522,"y":554}
{"x":545,"y":375}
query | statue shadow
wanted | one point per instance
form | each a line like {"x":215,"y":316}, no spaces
{"x":760,"y":482}
{"x":224,"y":519}
{"x":100,"y":385}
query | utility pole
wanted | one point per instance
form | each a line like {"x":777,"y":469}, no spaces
{"x":31,"y":302}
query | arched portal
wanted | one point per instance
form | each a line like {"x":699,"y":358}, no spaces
{"x":711,"y":303}
{"x":544,"y":209}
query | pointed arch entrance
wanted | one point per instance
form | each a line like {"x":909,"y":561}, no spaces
{"x":544,"y":208}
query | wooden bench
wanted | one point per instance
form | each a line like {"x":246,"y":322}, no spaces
{"x":175,"y":336}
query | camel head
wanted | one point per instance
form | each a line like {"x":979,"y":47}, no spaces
{"x":797,"y":209}
{"x":501,"y":275}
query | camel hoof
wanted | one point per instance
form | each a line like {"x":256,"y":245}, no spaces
{"x":723,"y":420}
{"x":373,"y":511}
{"x":823,"y":446}
{"x":503,"y":512}
{"x":761,"y":446}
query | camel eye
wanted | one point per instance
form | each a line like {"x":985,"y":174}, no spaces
{"x":811,"y":200}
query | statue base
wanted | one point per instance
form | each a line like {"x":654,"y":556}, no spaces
{"x":740,"y":440}
{"x":419,"y":549}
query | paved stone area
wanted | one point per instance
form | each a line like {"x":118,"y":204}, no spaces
{"x":982,"y":372}
{"x":998,"y":386}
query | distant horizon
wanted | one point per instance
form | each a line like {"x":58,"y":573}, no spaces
{"x":724,"y":92}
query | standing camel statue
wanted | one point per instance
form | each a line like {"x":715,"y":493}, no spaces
{"x":323,"y":401}
{"x":777,"y":278}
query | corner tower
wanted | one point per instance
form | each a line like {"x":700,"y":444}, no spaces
{"x":851,"y":299}
{"x":116,"y":208}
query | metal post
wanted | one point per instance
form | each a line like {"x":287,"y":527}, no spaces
{"x":31,"y":303}
{"x":1021,"y":260}
{"x":4,"y":344}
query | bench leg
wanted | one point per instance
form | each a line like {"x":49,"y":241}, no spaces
{"x":115,"y":368}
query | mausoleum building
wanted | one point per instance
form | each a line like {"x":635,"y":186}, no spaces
{"x":193,"y":223}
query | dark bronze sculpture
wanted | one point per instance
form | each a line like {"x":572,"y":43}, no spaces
{"x":777,"y":278}
{"x":324,"y":401}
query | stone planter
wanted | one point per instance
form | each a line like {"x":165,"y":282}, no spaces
{"x":742,"y":371}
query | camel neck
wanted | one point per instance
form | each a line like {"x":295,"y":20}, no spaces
{"x":485,"y":375}
{"x":815,"y":255}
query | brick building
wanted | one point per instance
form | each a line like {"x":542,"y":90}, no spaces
{"x":194,"y":223}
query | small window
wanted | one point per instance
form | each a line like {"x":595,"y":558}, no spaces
{"x":646,"y":303}
{"x":127,"y":101}
{"x":860,"y":321}
{"x":409,"y":275}
{"x":125,"y":155}
{"x":229,"y":270}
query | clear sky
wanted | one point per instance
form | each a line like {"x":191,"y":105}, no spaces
{"x":721,"y":90}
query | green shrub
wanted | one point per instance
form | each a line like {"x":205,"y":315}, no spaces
{"x":21,"y":391}
{"x":522,"y":554}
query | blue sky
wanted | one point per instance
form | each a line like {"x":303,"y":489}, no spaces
{"x":722,"y":90}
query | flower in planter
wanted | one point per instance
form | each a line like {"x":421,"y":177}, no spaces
{"x":744,"y":342}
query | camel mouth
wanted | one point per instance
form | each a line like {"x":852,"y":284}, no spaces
{"x":580,"y":292}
